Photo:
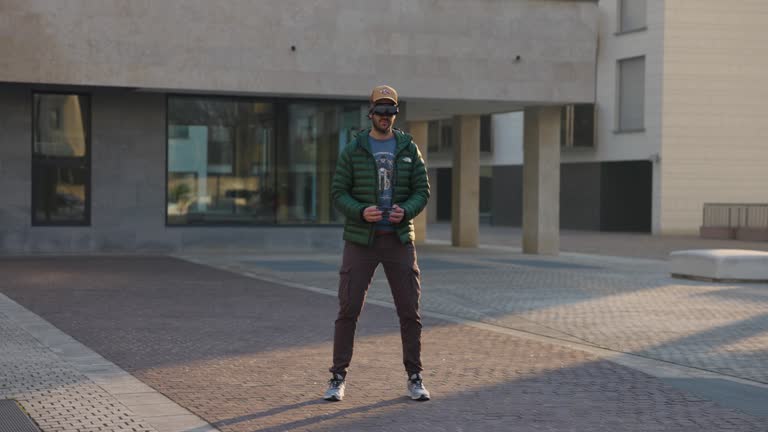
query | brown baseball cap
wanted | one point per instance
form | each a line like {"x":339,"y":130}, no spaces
{"x":383,"y":92}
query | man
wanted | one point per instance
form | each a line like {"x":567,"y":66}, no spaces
{"x":380,"y":185}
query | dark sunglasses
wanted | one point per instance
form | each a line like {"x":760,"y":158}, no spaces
{"x":385,"y":110}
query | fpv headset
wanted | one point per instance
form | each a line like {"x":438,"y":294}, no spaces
{"x":383,"y":110}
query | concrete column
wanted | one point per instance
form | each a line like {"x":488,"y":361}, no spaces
{"x":541,"y":181}
{"x":420,"y":131}
{"x":465,"y":193}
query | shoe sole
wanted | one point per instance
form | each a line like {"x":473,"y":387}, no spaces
{"x":421,"y":398}
{"x":333,"y":399}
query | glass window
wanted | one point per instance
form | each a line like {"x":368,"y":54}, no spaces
{"x":440,"y":136}
{"x":238,"y":161}
{"x":486,"y":134}
{"x":632,"y":15}
{"x":220,"y":161}
{"x":433,"y":136}
{"x":60,"y":159}
{"x":446,"y":135}
{"x":584,"y":125}
{"x":577,"y":125}
{"x":631,"y":94}
{"x":315,"y":133}
{"x":486,"y":185}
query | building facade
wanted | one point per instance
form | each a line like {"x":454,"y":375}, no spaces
{"x":677,"y":122}
{"x":165,"y":126}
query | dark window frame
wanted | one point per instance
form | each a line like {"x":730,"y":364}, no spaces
{"x":618,"y":127}
{"x":62,"y":162}
{"x":433,"y":136}
{"x":620,"y":20}
{"x":486,"y":134}
{"x":577,"y":127}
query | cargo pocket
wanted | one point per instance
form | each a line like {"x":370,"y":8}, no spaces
{"x":344,"y":280}
{"x":414,"y":274}
{"x":414,"y":281}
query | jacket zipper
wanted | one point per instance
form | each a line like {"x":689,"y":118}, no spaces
{"x":371,"y":229}
{"x":394,"y":182}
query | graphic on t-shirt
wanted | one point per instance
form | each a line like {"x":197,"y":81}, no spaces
{"x":384,"y":155}
{"x":384,"y":162}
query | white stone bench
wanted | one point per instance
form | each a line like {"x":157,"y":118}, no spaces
{"x":720,"y":265}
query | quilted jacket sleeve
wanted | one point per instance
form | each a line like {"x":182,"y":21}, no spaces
{"x":341,"y":187}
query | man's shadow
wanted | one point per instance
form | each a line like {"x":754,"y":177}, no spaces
{"x":311,"y":420}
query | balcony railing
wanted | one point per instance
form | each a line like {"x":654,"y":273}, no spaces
{"x":735,"y":221}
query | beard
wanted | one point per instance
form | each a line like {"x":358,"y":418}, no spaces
{"x":382,"y":130}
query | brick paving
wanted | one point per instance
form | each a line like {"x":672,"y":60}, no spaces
{"x":53,"y":393}
{"x":626,"y":305}
{"x":250,"y":355}
{"x":639,"y":245}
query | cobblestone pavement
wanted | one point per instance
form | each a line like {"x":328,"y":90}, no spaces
{"x":640,"y":245}
{"x":57,"y":396}
{"x":627,"y":305}
{"x":250,"y":355}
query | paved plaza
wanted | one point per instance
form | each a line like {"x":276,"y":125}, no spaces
{"x":637,"y":245}
{"x":241,"y":341}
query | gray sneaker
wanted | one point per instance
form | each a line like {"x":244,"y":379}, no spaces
{"x":416,"y":388}
{"x":335,"y":390}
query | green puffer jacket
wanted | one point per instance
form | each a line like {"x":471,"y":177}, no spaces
{"x":355,"y":186}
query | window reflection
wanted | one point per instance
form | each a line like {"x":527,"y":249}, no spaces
{"x":60,"y":160}
{"x":59,"y":126}
{"x":316,"y":132}
{"x":220,"y":161}
{"x":240,"y":161}
{"x":59,"y":193}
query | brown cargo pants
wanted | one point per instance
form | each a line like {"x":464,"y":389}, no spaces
{"x":402,"y":271}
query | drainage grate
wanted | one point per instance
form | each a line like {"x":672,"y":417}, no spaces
{"x":13,"y":419}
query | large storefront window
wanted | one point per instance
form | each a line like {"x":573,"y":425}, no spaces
{"x":315,"y":133}
{"x":61,"y":164}
{"x":238,"y":161}
{"x":220,"y":161}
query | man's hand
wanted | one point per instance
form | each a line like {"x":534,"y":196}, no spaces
{"x":372,"y":214}
{"x":397,"y":214}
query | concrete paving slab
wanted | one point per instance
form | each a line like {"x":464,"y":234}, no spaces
{"x":54,"y":394}
{"x":149,"y":411}
{"x":139,"y":399}
{"x":181,"y":423}
{"x":61,"y":392}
